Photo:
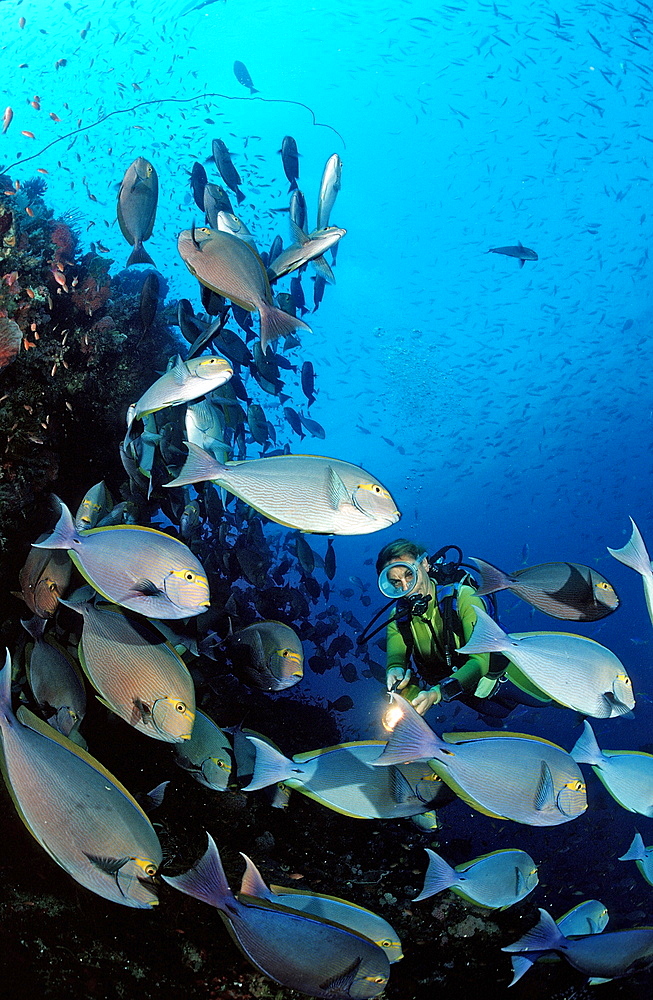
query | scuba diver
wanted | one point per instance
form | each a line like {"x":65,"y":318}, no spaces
{"x":434,"y":615}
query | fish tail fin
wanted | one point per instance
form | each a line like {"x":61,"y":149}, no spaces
{"x":252,"y":883}
{"x":270,"y":766}
{"x":492,"y":578}
{"x":520,"y":965}
{"x":636,"y":851}
{"x":439,"y":876}
{"x":64,"y":534}
{"x":240,"y":197}
{"x":487,"y":637}
{"x":5,"y":684}
{"x":586,"y":750}
{"x":545,"y":936}
{"x":139,"y":255}
{"x":276,"y":323}
{"x":253,"y":90}
{"x":198,"y":467}
{"x":35,"y":626}
{"x":412,"y":739}
{"x":293,"y":186}
{"x":634,"y":553}
{"x":206,"y":880}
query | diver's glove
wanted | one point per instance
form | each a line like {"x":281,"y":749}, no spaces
{"x":425,"y":699}
{"x":397,"y":678}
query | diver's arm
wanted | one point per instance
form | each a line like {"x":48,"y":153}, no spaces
{"x":397,"y":672}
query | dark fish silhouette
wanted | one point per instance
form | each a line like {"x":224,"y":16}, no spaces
{"x":242,"y":75}
{"x":520,"y":252}
{"x":290,"y":160}
{"x":228,"y":172}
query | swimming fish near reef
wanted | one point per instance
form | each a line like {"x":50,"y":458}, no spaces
{"x":627,"y":774}
{"x":294,"y":949}
{"x":137,"y":674}
{"x":55,"y":680}
{"x":242,"y":75}
{"x":290,"y":160}
{"x":589,"y":917}
{"x":231,"y":267}
{"x":506,"y":775}
{"x":185,"y":381}
{"x":573,"y":670}
{"x":229,"y":174}
{"x":139,"y":568}
{"x":304,"y":249}
{"x":635,"y":555}
{"x":338,"y":911}
{"x":329,"y":187}
{"x":344,"y":779}
{"x":560,"y":589}
{"x":207,"y":754}
{"x":78,"y":812}
{"x":496,"y":880}
{"x":642,"y":855}
{"x":522,"y":253}
{"x":95,"y":505}
{"x":44,"y":579}
{"x":270,"y":654}
{"x":137,"y":201}
{"x":308,"y":492}
{"x":601,"y":956}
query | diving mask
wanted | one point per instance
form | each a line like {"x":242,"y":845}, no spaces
{"x":402,"y":580}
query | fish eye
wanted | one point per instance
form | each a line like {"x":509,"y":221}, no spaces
{"x":386,"y":943}
{"x":575,"y":786}
{"x":189,"y":575}
{"x":624,"y":678}
{"x":217,"y":761}
{"x":150,"y":870}
{"x":180,"y":707}
{"x":603,"y":585}
{"x":379,"y":979}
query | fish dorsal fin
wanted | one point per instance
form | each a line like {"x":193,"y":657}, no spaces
{"x":545,"y":793}
{"x":252,"y":883}
{"x":499,"y":734}
{"x":33,"y":722}
{"x":301,"y":758}
{"x":336,"y":489}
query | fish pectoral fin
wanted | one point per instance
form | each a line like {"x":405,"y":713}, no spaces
{"x":544,"y":795}
{"x":336,"y":489}
{"x":111,"y":866}
{"x":339,"y":984}
{"x":140,"y":713}
{"x":179,"y":372}
{"x":521,"y":261}
{"x":520,"y":884}
{"x":145,"y":588}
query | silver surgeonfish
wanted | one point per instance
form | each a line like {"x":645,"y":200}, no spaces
{"x":292,"y":948}
{"x":506,"y":775}
{"x":339,"y":911}
{"x":207,"y":754}
{"x":590,"y":917}
{"x":185,"y":381}
{"x":308,"y":492}
{"x":601,"y":956}
{"x":329,"y":187}
{"x":270,"y":654}
{"x":231,"y":267}
{"x":573,"y":670}
{"x":560,"y":589}
{"x":635,"y":555}
{"x":78,"y":812}
{"x":137,"y":201}
{"x":139,"y":568}
{"x":137,"y":674}
{"x":306,"y":247}
{"x":343,"y":778}
{"x":496,"y":880}
{"x":627,"y":774}
{"x":55,"y":680}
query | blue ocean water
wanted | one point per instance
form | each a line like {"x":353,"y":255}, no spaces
{"x":507,"y":409}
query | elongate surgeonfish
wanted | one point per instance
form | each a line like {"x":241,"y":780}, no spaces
{"x":635,"y":555}
{"x":137,"y":567}
{"x":344,"y":779}
{"x":521,"y":253}
{"x":560,"y":589}
{"x":269,"y":653}
{"x":495,"y":880}
{"x":306,"y":247}
{"x":627,"y":774}
{"x":185,"y":381}
{"x":137,"y":201}
{"x":506,"y":775}
{"x":294,"y":949}
{"x":642,"y":855}
{"x":138,"y":675}
{"x":573,"y":670}
{"x":601,"y":956}
{"x":231,"y":267}
{"x":338,"y":911}
{"x":78,"y":812}
{"x":308,"y":492}
{"x":207,"y":754}
{"x":589,"y":917}
{"x":55,"y":680}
